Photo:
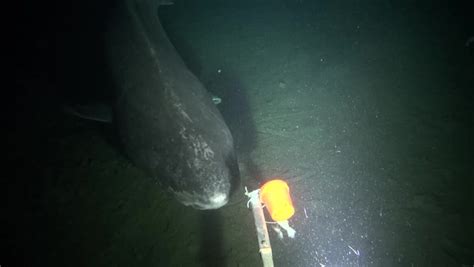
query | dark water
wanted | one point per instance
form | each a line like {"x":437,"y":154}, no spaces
{"x":364,"y":107}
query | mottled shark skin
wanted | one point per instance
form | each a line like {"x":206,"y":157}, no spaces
{"x":166,"y":119}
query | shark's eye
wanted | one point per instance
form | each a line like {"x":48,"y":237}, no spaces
{"x":217,"y":100}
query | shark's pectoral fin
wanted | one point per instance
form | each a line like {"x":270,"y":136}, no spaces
{"x":95,"y":112}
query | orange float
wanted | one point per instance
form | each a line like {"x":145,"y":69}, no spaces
{"x":275,"y":194}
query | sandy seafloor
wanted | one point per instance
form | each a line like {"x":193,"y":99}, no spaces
{"x":365,"y":108}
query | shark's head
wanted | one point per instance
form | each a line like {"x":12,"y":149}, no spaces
{"x":212,"y":185}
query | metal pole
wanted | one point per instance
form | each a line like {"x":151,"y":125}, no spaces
{"x":262,"y":231}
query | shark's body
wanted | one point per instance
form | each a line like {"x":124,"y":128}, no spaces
{"x":166,"y":119}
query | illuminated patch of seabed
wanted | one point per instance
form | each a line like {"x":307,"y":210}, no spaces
{"x":286,"y":142}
